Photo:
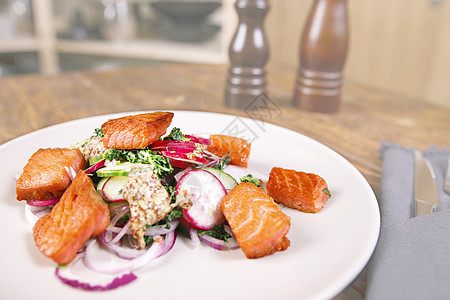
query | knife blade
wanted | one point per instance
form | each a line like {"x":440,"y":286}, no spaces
{"x":425,"y":189}
{"x":447,"y":176}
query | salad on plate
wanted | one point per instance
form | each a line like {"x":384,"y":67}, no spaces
{"x":118,"y":200}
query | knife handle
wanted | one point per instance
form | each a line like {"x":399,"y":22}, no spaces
{"x":424,"y":208}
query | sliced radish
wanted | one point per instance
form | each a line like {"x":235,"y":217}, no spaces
{"x":186,"y":157}
{"x":179,"y":146}
{"x":112,"y":188}
{"x":181,"y":173}
{"x":207,"y":193}
{"x":101,"y":183}
{"x":77,"y":275}
{"x":96,"y":166}
{"x":227,"y":180}
{"x":197,"y":139}
{"x":180,"y":164}
{"x":184,"y":160}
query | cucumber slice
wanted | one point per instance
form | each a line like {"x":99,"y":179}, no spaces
{"x":117,"y":170}
{"x":95,"y":159}
{"x":101,"y":183}
{"x":121,"y":170}
{"x":226,"y":179}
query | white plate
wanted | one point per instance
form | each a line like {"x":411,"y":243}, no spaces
{"x":328,"y":249}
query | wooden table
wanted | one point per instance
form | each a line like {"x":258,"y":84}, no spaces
{"x":367,"y":116}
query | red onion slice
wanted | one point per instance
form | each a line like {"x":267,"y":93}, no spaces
{"x":170,"y":239}
{"x":109,"y":240}
{"x":153,"y":230}
{"x":227,"y":229}
{"x":99,"y":260}
{"x":42,"y":203}
{"x":126,"y":252}
{"x":194,"y":237}
{"x":212,"y":155}
{"x":71,"y":172}
{"x":161,"y":229}
{"x":232,"y":243}
{"x":212,"y":242}
{"x":77,"y":275}
{"x":33,"y":213}
{"x":121,"y":250}
{"x":118,"y":207}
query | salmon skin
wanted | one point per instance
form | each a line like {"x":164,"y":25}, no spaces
{"x":80,"y":214}
{"x":305,"y":192}
{"x":135,"y":131}
{"x":45,"y":177}
{"x":259,"y":225}
{"x":238,"y":149}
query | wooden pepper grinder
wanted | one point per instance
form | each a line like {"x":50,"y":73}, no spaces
{"x":323,"y":51}
{"x":248,"y":53}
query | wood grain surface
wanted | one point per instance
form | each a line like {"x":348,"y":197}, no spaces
{"x":366,"y":118}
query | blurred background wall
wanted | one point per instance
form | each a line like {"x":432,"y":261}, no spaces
{"x":398,"y":45}
{"x":401,"y":46}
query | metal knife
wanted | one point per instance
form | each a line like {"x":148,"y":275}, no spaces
{"x":425,"y":190}
{"x":447,"y":176}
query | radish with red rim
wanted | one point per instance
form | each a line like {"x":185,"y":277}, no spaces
{"x":112,"y":187}
{"x":207,"y":192}
{"x":96,"y":166}
{"x":199,"y":140}
{"x":179,"y":146}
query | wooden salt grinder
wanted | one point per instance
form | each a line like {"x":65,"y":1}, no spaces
{"x":248,"y":53}
{"x":323,"y":51}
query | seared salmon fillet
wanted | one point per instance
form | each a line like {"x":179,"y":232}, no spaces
{"x":259,"y":225}
{"x":306,"y":192}
{"x":136,"y":131}
{"x":238,"y":148}
{"x":80,"y":214}
{"x":45,"y":177}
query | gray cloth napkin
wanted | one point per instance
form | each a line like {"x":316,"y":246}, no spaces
{"x":412,"y":257}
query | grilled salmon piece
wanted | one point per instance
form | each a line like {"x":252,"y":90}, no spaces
{"x":238,"y":148}
{"x":136,"y":131}
{"x":45,"y":177}
{"x":306,"y":192}
{"x":259,"y":225}
{"x":80,"y":214}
